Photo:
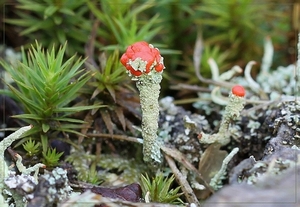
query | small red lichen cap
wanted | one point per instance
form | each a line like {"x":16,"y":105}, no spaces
{"x":238,"y":90}
{"x":141,"y":58}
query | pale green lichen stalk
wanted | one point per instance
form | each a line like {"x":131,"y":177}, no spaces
{"x":232,"y":111}
{"x":145,"y":64}
{"x":4,"y":144}
{"x":215,"y":182}
{"x":27,"y":171}
{"x":150,"y":110}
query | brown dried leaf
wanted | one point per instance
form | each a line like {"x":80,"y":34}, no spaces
{"x":107,"y":120}
{"x":132,"y":192}
{"x":88,"y":119}
{"x":211,"y":161}
{"x":96,"y":102}
{"x":95,"y":93}
{"x":111,"y":91}
{"x":132,"y":107}
{"x":90,"y":47}
{"x":129,"y":126}
{"x":121,"y":117}
{"x":129,"y":101}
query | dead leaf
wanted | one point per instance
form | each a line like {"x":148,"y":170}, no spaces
{"x":111,"y":91}
{"x":210,"y":163}
{"x":88,"y":119}
{"x":121,"y":117}
{"x":107,"y":120}
{"x":132,"y":192}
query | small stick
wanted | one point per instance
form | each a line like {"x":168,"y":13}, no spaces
{"x":177,"y":155}
{"x":185,"y":186}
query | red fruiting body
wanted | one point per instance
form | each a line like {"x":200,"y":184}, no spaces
{"x":147,"y":53}
{"x":238,"y":90}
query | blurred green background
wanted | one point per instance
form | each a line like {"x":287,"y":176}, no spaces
{"x":232,"y":30}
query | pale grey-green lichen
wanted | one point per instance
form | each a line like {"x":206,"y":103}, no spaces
{"x":138,"y":64}
{"x":9,"y":180}
{"x":27,"y":171}
{"x":215,"y":182}
{"x":19,"y":187}
{"x":232,"y":112}
{"x":149,"y":88}
{"x":4,"y":144}
{"x":52,"y":188}
{"x":148,"y":83}
{"x":253,"y":125}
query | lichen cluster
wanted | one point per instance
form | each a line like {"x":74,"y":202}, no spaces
{"x":180,"y":128}
{"x":21,"y":189}
{"x":282,"y":150}
{"x":52,"y":188}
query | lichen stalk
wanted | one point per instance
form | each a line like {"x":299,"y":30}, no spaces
{"x":4,"y":144}
{"x":268,"y":56}
{"x":232,"y":111}
{"x":27,"y":171}
{"x":149,"y":93}
{"x":145,"y":65}
{"x":215,"y":182}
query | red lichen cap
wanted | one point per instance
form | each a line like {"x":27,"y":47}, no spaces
{"x":142,"y":57}
{"x":238,"y":90}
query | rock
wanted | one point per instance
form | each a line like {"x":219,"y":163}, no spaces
{"x":281,"y":190}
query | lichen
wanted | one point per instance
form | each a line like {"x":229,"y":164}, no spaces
{"x":216,"y":181}
{"x":232,"y":112}
{"x":145,"y":64}
{"x":173,"y":123}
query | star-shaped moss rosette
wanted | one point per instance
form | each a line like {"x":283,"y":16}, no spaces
{"x":145,"y":64}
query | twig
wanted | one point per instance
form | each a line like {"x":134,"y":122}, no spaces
{"x":119,"y":137}
{"x":185,"y":186}
{"x":197,"y":62}
{"x":177,"y":155}
{"x":88,"y":119}
{"x":90,"y":47}
{"x":182,"y":86}
{"x":190,"y":100}
{"x":262,"y":104}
